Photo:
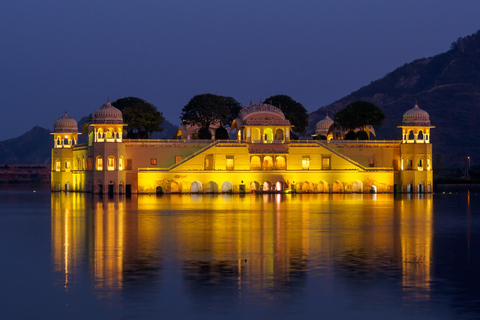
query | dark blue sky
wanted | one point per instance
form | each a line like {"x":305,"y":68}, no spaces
{"x":58,"y":55}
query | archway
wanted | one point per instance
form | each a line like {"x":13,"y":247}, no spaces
{"x":267,"y":163}
{"x":420,"y":188}
{"x":196,"y":187}
{"x":322,"y":187}
{"x":279,"y":135}
{"x":307,"y":186}
{"x":280,"y":163}
{"x":338,"y":187}
{"x":267,"y":186}
{"x":254,"y":186}
{"x":411,"y":136}
{"x":175,"y":187}
{"x":420,"y":135}
{"x":212,"y":187}
{"x":255,"y":163}
{"x":268,"y":135}
{"x":256,"y":138}
{"x":159,"y":190}
{"x":227,"y":187}
{"x":373,"y":189}
{"x":279,"y":186}
{"x":357,"y":186}
{"x":409,"y":188}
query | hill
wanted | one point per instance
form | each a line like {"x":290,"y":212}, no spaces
{"x":31,"y":147}
{"x":447,"y":86}
{"x":34,"y":146}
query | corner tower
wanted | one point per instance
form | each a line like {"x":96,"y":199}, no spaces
{"x":106,"y":151}
{"x":416,"y":173}
{"x":65,"y":135}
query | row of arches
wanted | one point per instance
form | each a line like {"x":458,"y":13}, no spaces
{"x":111,"y":164}
{"x":267,"y":135}
{"x":268,"y":163}
{"x":66,"y":142}
{"x":419,"y":136}
{"x":276,"y":186}
{"x":108,"y":134}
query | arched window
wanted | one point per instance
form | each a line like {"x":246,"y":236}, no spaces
{"x":57,"y":165}
{"x":280,"y":163}
{"x":268,"y":135}
{"x":110,"y":132}
{"x":99,"y":164}
{"x":256,"y":138}
{"x":267,"y":163}
{"x":111,"y":163}
{"x":100,"y":134}
{"x":420,"y":135}
{"x":279,"y":135}
{"x":255,"y":163}
{"x":411,"y":136}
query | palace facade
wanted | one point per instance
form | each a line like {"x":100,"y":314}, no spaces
{"x":262,"y":158}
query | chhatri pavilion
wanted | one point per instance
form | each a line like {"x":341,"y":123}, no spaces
{"x":262,"y":158}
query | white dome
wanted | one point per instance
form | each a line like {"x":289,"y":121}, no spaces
{"x":65,"y":124}
{"x":108,"y":114}
{"x":323,"y":125}
{"x":416,"y":117}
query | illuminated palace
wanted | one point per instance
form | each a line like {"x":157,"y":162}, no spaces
{"x":262,"y":158}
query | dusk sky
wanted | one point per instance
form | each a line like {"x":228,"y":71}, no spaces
{"x":73,"y":55}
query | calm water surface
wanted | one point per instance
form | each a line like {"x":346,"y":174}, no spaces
{"x":79,"y":256}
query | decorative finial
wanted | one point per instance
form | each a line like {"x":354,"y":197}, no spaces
{"x":108,"y":100}
{"x":416,"y":104}
{"x":250,"y":101}
{"x":66,"y":112}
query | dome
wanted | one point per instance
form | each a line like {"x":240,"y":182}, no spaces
{"x":416,"y":117}
{"x":323,"y":125}
{"x":259,"y":108}
{"x":65,"y":124}
{"x":108,"y":114}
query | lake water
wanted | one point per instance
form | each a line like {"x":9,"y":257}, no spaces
{"x":79,"y":256}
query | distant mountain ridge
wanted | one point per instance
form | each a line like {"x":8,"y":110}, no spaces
{"x":447,"y":86}
{"x":34,"y":146}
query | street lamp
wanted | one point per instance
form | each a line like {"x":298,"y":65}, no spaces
{"x":468,"y":167}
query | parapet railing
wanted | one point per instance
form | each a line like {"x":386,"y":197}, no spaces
{"x":168,"y":140}
{"x":358,"y":142}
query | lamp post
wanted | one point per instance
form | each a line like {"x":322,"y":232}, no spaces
{"x":468,"y":168}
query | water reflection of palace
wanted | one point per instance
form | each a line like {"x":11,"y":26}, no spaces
{"x":242,"y":244}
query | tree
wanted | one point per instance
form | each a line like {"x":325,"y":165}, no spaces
{"x":204,"y":134}
{"x":142,"y":117}
{"x":221,"y":134}
{"x":293,"y":111}
{"x":207,"y":109}
{"x":359,"y":115}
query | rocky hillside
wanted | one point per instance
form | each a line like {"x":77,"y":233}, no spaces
{"x":34,"y":146}
{"x":447,"y":86}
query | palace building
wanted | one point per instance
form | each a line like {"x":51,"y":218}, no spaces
{"x":262,"y":158}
